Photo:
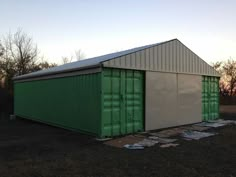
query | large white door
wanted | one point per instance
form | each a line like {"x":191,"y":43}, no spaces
{"x":172,"y":100}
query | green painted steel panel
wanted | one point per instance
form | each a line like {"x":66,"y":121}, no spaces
{"x":210,"y":98}
{"x":122,"y":102}
{"x":69,"y":102}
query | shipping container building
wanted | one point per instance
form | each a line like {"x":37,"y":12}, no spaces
{"x":146,"y":88}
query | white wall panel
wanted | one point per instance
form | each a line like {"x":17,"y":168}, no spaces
{"x":172,"y":100}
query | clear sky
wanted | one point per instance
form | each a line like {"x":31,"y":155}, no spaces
{"x":59,"y":27}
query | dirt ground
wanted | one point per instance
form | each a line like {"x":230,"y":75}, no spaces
{"x":29,"y":149}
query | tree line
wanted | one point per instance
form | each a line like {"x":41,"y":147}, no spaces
{"x":227,"y":83}
{"x":20,"y":55}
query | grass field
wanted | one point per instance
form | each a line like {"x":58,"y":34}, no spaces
{"x":29,"y":149}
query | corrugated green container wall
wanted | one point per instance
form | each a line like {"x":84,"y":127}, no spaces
{"x":122,"y":102}
{"x":69,"y":102}
{"x":210,"y":98}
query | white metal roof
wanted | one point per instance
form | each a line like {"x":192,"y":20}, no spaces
{"x":86,"y":63}
{"x":168,"y":56}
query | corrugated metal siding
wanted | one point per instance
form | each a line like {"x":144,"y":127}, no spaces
{"x":71,"y":102}
{"x":122,"y":102}
{"x":210,"y":98}
{"x":171,"y":56}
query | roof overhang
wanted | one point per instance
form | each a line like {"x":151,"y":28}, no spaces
{"x":59,"y":74}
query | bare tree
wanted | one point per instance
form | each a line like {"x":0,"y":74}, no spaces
{"x":18,"y":55}
{"x":43,"y":65}
{"x":1,"y":49}
{"x":20,"y":49}
{"x":1,"y":54}
{"x":67,"y":59}
{"x":229,"y":69}
{"x":7,"y":66}
{"x":218,"y":66}
{"x":79,"y":55}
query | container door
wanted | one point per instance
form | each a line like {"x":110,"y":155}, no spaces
{"x":133,"y":103}
{"x":122,"y":92}
{"x":214,"y":98}
{"x":205,"y":98}
{"x":210,"y":98}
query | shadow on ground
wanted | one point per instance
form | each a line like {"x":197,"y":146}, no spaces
{"x":29,"y":149}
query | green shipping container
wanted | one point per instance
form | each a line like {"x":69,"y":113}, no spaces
{"x":106,"y":103}
{"x":122,"y":102}
{"x":210,"y":98}
{"x":68,"y":102}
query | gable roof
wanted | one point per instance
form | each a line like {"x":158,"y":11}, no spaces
{"x":172,"y":56}
{"x":89,"y":63}
{"x":83,"y":64}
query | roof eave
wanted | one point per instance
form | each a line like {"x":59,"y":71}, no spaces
{"x":17,"y":78}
